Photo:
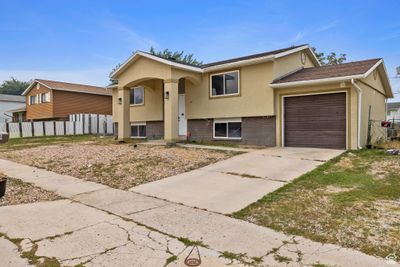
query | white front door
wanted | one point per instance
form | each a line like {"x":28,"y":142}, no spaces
{"x":182,"y":116}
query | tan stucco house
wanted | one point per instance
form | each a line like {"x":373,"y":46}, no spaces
{"x":277,"y":98}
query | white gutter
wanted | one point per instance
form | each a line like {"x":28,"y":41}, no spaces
{"x":359,"y":94}
{"x":317,"y":81}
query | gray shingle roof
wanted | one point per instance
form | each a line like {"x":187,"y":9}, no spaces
{"x":329,"y":71}
{"x":12,"y":98}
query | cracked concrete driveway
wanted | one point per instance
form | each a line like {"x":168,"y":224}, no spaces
{"x":230,"y":185}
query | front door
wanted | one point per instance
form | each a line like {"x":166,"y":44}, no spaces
{"x":182,"y":115}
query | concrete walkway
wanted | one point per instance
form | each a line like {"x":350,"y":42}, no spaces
{"x":230,"y":185}
{"x":101,"y":226}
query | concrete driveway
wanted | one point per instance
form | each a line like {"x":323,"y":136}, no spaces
{"x":230,"y":185}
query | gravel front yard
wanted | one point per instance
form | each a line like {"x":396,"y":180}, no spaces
{"x":120,"y":166}
{"x":19,"y":192}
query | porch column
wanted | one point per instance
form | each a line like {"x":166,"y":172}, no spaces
{"x":124,"y":129}
{"x":171,"y":111}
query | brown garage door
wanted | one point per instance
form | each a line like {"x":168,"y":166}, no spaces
{"x":315,"y":121}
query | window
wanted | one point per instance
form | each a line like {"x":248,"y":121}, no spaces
{"x":138,"y":130}
{"x":32,"y":99}
{"x":228,"y":129}
{"x":225,"y":84}
{"x":45,"y":97}
{"x":137,"y":96}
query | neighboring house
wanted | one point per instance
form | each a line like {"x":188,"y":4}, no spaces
{"x":7,"y":103}
{"x":393,"y":111}
{"x":52,"y":100}
{"x":19,"y":114}
{"x":278,"y":98}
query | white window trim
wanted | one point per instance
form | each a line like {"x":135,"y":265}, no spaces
{"x":139,"y":124}
{"x":222,"y":73}
{"x":137,"y":87}
{"x":46,"y":100}
{"x":36,"y":100}
{"x":226,"y":121}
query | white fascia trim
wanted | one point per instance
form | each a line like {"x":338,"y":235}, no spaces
{"x":114,"y":86}
{"x":308,"y":82}
{"x":372,"y":68}
{"x":155,"y":58}
{"x":31,"y":85}
{"x":239,"y":63}
{"x":387,"y":80}
{"x":81,"y":92}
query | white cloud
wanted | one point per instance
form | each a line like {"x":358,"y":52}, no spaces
{"x":297,"y":37}
{"x":127,"y":34}
{"x":327,"y":26}
{"x":97,"y":77}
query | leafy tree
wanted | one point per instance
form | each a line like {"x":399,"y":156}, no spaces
{"x":13,"y":86}
{"x":177,"y":56}
{"x":330,"y":59}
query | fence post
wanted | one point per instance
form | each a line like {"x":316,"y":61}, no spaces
{"x":83,"y":123}
{"x":65,"y":127}
{"x":8,"y":128}
{"x":20,"y":129}
{"x":54,"y":128}
{"x":98,"y":123}
{"x":44,"y":128}
{"x":90,"y":124}
{"x":74,"y":126}
{"x":32,"y":129}
{"x":105,"y":123}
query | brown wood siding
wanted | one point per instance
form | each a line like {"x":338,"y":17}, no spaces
{"x":42,"y":110}
{"x":66,"y":103}
{"x":315,"y":121}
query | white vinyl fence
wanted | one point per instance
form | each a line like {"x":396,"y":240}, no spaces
{"x":78,"y":124}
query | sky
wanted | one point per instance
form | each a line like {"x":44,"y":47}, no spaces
{"x":83,"y":40}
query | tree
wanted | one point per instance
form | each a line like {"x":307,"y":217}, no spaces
{"x":177,"y":56}
{"x":330,"y":59}
{"x":13,"y":86}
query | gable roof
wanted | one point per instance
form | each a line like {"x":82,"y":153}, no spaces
{"x":335,"y":73}
{"x":12,"y":98}
{"x":240,"y":61}
{"x":70,"y":87}
{"x":264,"y":54}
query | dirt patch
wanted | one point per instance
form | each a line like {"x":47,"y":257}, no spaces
{"x":379,"y":169}
{"x":330,"y":189}
{"x":119,"y":166}
{"x":19,"y":192}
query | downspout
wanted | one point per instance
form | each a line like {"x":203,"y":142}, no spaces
{"x":359,"y":94}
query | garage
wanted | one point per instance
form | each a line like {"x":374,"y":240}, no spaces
{"x":315,"y":121}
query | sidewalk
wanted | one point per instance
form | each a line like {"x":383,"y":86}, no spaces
{"x":167,"y":220}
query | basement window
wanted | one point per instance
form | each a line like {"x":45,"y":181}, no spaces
{"x":138,"y":130}
{"x":227,"y":129}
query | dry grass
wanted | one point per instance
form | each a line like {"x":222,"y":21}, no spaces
{"x":352,"y":201}
{"x":18,"y":192}
{"x":117,"y":165}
